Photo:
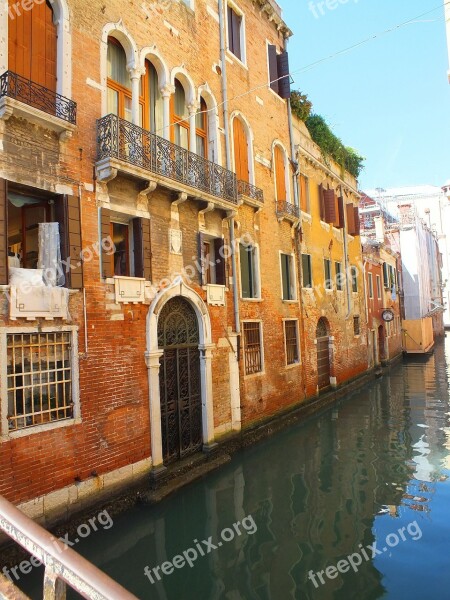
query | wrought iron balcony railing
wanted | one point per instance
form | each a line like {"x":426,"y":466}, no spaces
{"x":287,"y":209}
{"x":117,"y":138}
{"x":33,"y":94}
{"x":249,"y":190}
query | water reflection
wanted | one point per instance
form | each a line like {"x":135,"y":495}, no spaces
{"x":366,"y":468}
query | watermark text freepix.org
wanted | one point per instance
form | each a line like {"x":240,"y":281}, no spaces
{"x":83,"y":531}
{"x":200,"y":548}
{"x":368,"y":552}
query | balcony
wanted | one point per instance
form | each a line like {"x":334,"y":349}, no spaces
{"x":250,"y":194}
{"x":288,"y":211}
{"x":127,"y":148}
{"x":32,"y":101}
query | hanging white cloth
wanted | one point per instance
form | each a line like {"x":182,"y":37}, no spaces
{"x":49,"y":258}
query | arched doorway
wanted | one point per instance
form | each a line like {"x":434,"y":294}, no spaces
{"x":179,"y":379}
{"x":323,"y":354}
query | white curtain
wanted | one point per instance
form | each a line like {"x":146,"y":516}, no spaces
{"x":50,"y":254}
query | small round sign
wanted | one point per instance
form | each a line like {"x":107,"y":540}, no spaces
{"x":387,"y":315}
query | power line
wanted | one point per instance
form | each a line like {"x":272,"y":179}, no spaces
{"x":321,"y":60}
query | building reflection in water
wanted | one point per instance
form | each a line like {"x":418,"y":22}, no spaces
{"x":317,"y":492}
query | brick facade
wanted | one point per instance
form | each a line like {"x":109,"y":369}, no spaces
{"x":117,"y":392}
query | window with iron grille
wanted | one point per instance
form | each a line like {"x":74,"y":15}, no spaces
{"x":252,"y":348}
{"x":290,"y":334}
{"x":287,"y":277}
{"x":39,"y":378}
{"x":356,"y":326}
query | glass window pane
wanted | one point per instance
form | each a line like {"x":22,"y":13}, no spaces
{"x":113,"y":102}
{"x":117,"y":65}
{"x":180,"y":100}
{"x":181,"y":137}
{"x":127,"y":109}
{"x":156,"y":101}
{"x":200,"y":146}
{"x":120,"y":239}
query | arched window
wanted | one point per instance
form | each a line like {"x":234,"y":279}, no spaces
{"x":119,"y":81}
{"x":280,"y":173}
{"x":241,"y":164}
{"x":201,"y":132}
{"x":179,"y":118}
{"x":32,"y":39}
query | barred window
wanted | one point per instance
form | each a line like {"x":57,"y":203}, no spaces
{"x":356,"y":326}
{"x":290,"y":333}
{"x":39,"y":378}
{"x":252,"y":348}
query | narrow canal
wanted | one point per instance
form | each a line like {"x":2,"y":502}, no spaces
{"x":373,"y":469}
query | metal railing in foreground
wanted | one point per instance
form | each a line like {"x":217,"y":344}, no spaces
{"x":63,"y":566}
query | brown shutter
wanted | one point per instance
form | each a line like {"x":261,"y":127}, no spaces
{"x":357,"y":224}
{"x":138,"y":247}
{"x":147,"y":248}
{"x":331,"y":208}
{"x":350,"y":219}
{"x":284,"y":83}
{"x":240,"y":150}
{"x":72,"y":204}
{"x":321,"y":202}
{"x":105,"y":228}
{"x":273,"y":67}
{"x":201,"y":259}
{"x":341,"y":212}
{"x":220,"y":261}
{"x":3,"y":232}
{"x":280,"y":174}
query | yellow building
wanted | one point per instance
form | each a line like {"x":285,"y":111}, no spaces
{"x":332,"y":287}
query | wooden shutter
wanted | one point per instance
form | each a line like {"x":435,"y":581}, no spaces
{"x":341,"y":212}
{"x":350,"y":219}
{"x":385,"y":275}
{"x":356,"y":217}
{"x":3,"y":232}
{"x":284,"y":83}
{"x":32,"y":39}
{"x":240,"y":151}
{"x":105,"y":230}
{"x":201,"y":258}
{"x":280,"y":174}
{"x":220,"y":262}
{"x":273,"y":67}
{"x":72,"y":206}
{"x":331,"y":207}
{"x":147,"y":248}
{"x":138,"y":247}
{"x":321,"y":202}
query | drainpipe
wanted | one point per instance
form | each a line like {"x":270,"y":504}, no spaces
{"x":344,"y":233}
{"x":291,"y":137}
{"x":226,"y":127}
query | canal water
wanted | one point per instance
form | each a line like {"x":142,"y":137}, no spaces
{"x":374,"y":469}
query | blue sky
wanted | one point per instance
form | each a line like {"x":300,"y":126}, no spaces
{"x":389,"y":98}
